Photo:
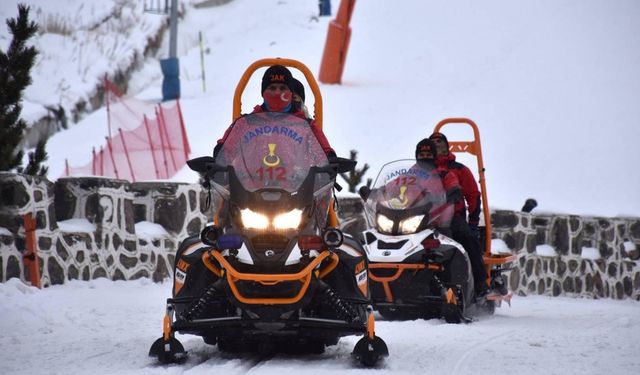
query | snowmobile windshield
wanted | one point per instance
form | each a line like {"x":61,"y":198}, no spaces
{"x":273,"y":150}
{"x":406,"y":197}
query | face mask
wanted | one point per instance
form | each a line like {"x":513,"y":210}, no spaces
{"x":277,"y":101}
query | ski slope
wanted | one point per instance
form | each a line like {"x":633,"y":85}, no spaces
{"x":107,"y":327}
{"x":552,"y":84}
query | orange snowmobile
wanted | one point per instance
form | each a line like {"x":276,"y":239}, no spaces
{"x":274,"y":273}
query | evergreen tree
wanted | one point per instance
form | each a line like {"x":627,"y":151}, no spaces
{"x":15,"y":67}
{"x":354,"y":178}
{"x":36,"y":158}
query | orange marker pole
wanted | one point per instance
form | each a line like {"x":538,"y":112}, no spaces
{"x":336,"y":46}
{"x":30,"y":258}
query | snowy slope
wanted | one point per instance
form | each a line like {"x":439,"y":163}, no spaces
{"x":104,"y":327}
{"x":553,"y":86}
{"x":78,"y":42}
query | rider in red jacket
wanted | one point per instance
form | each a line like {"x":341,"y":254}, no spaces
{"x":278,"y":97}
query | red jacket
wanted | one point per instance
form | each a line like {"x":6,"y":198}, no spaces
{"x":322,"y":139}
{"x":468,"y":185}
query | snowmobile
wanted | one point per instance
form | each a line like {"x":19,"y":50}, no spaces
{"x":415,"y":269}
{"x":273,"y":273}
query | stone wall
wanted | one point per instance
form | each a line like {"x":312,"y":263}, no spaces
{"x":110,"y":209}
{"x":590,"y":257}
{"x":614,"y":272}
{"x":593,"y":256}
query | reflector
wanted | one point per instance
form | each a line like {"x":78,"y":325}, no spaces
{"x":310,"y":243}
{"x":430,"y":243}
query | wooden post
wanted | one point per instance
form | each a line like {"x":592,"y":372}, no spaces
{"x":30,"y":257}
{"x":93,"y":161}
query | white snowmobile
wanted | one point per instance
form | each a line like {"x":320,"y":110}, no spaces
{"x":415,"y":269}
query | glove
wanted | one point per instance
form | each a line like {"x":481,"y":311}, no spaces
{"x":454,"y":195}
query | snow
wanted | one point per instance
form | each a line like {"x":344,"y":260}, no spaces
{"x":149,"y":231}
{"x":5,"y":232}
{"x":76,"y":226}
{"x":546,"y":251}
{"x":498,"y":246}
{"x":546,"y":81}
{"x":629,"y":246}
{"x":107,"y":327}
{"x":590,"y":253}
{"x":552,"y":84}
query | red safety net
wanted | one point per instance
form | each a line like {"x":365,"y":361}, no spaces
{"x":155,"y":148}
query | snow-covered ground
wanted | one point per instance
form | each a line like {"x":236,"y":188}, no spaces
{"x":552,"y":84}
{"x":106,"y":327}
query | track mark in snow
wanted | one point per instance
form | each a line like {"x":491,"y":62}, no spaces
{"x":462,"y":366}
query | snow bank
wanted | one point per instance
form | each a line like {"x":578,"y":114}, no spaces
{"x":76,"y":226}
{"x":149,"y":231}
{"x":546,"y":251}
{"x":590,"y":253}
{"x":498,"y":246}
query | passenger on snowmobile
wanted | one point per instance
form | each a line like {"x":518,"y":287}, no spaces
{"x":298,"y":97}
{"x":463,"y":231}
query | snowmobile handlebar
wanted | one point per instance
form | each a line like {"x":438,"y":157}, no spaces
{"x":242,"y":84}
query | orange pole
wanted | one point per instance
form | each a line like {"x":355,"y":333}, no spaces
{"x":163,"y":128}
{"x":336,"y":46}
{"x":242,"y":84}
{"x":126,"y":154}
{"x":185,"y":140}
{"x":113,"y":160}
{"x":30,"y":257}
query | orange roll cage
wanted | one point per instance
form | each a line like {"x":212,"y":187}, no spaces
{"x":242,"y":84}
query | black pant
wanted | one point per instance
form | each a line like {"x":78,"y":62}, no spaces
{"x":462,"y":234}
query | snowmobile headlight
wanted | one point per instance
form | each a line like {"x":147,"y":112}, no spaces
{"x":288,"y":220}
{"x":411,"y":224}
{"x":384,"y":223}
{"x":253,"y":220}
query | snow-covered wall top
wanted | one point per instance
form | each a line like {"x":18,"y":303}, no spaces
{"x":94,"y":227}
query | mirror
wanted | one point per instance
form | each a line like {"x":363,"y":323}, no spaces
{"x":342,"y":165}
{"x":364,"y":192}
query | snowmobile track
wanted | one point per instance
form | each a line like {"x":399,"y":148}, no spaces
{"x":463,"y":365}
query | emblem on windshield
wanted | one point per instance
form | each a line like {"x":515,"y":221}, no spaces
{"x":401,"y":201}
{"x":272,"y":159}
